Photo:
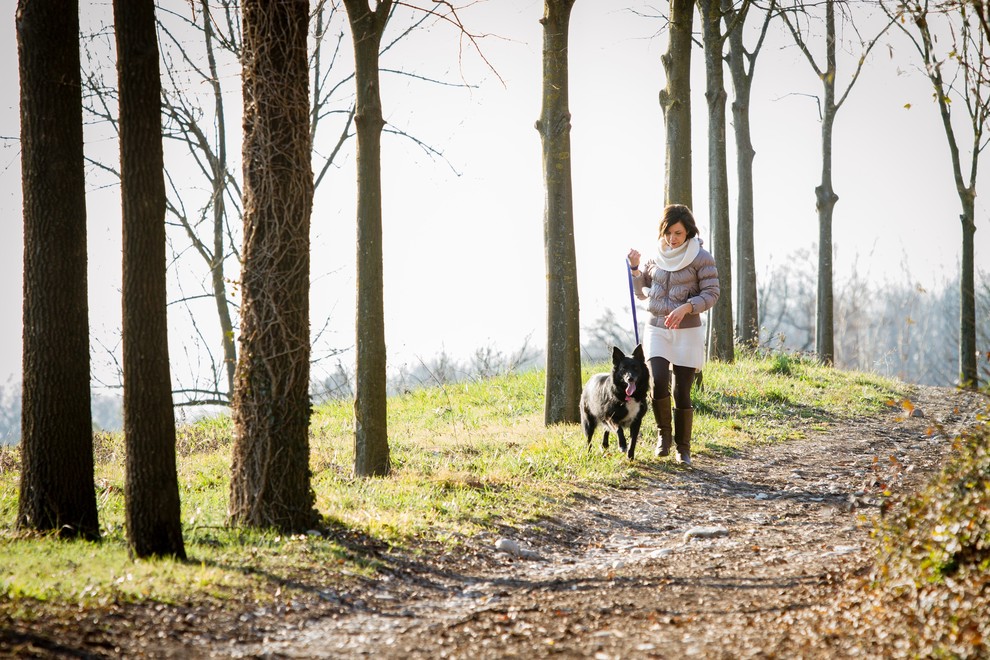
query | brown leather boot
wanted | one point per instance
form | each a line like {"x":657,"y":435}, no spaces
{"x":665,"y":437}
{"x":683,"y":421}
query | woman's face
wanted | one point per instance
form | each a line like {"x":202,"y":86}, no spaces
{"x":675,"y":235}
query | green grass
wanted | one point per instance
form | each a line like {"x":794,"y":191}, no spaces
{"x":466,"y":458}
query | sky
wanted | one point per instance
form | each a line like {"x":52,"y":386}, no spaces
{"x":463,"y":239}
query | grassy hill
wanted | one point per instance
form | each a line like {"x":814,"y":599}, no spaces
{"x":473,"y":458}
{"x":466,"y":457}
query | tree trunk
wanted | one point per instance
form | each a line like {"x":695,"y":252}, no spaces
{"x":747,"y":325}
{"x":57,"y":491}
{"x":154,"y":526}
{"x":675,"y":101}
{"x":270,"y":484}
{"x":825,"y":202}
{"x":371,"y":451}
{"x":219,"y":283}
{"x":968,"y":373}
{"x":722,"y":345}
{"x":563,"y":376}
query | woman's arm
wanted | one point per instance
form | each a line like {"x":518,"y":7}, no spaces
{"x":707,"y":284}
{"x":638,"y":274}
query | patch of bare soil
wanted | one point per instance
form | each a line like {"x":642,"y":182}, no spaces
{"x":734,"y":557}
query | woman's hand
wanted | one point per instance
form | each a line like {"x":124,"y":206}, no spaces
{"x":673,"y":320}
{"x":633,"y":257}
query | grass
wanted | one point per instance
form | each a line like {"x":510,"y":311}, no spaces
{"x":466,"y":458}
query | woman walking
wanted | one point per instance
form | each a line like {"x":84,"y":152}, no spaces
{"x":683,"y":283}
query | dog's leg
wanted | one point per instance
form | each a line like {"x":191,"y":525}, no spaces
{"x":622,"y":440}
{"x":588,"y":423}
{"x":634,"y":435}
{"x":605,"y":440}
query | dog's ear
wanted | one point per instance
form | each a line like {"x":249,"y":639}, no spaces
{"x":638,"y":353}
{"x":617,"y":355}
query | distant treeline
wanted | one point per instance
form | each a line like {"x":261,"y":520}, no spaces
{"x":892,"y":327}
{"x":895,"y":328}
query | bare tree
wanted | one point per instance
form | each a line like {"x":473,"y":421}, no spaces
{"x":10,"y":411}
{"x":270,"y":482}
{"x":208,"y":146}
{"x":154,"y":526}
{"x":204,"y":187}
{"x":211,"y":228}
{"x":57,"y":490}
{"x":368,"y":25}
{"x":968,"y":81}
{"x":197,"y":122}
{"x":787,"y":314}
{"x":201,"y":48}
{"x":488,"y":361}
{"x":825,"y":194}
{"x":722,"y":343}
{"x":604,"y":333}
{"x":742,"y":67}
{"x":891,"y":326}
{"x":563,"y":365}
{"x":675,"y":101}
{"x":371,"y":453}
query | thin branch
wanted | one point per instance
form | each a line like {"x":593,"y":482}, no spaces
{"x":462,"y":85}
{"x":452,"y":17}
{"x":799,"y":41}
{"x":341,"y":139}
{"x":859,"y":65}
{"x":431,"y":151}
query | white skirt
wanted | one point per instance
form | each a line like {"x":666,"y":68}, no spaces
{"x":684,"y":347}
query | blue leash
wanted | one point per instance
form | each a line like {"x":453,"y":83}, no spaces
{"x":632,"y":300}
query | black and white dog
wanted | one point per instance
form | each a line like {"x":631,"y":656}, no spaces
{"x":617,"y":400}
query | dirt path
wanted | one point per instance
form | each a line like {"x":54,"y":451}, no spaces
{"x":713,"y":561}
{"x":741,"y":557}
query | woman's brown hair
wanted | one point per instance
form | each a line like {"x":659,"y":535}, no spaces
{"x":674,"y":213}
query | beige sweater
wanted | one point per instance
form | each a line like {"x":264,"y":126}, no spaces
{"x":696,"y":283}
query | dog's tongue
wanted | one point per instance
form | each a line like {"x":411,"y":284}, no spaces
{"x":630,"y":388}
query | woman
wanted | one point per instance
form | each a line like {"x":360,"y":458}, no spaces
{"x":683,"y":283}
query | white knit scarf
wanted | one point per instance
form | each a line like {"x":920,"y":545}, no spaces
{"x":674,"y":259}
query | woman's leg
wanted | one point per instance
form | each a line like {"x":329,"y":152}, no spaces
{"x":660,"y":376}
{"x":683,"y":380}
{"x":683,"y":412}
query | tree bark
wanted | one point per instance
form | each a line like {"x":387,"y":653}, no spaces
{"x":824,"y":194}
{"x":270,"y":484}
{"x":825,"y":199}
{"x":722,"y":343}
{"x":675,"y":101}
{"x":968,"y":372}
{"x":154,"y":526}
{"x":371,"y":451}
{"x":747,"y":324}
{"x":57,"y":491}
{"x":563,"y":367}
{"x":968,"y":53}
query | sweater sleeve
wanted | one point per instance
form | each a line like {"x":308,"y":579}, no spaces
{"x":707,"y":283}
{"x":641,"y":280}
